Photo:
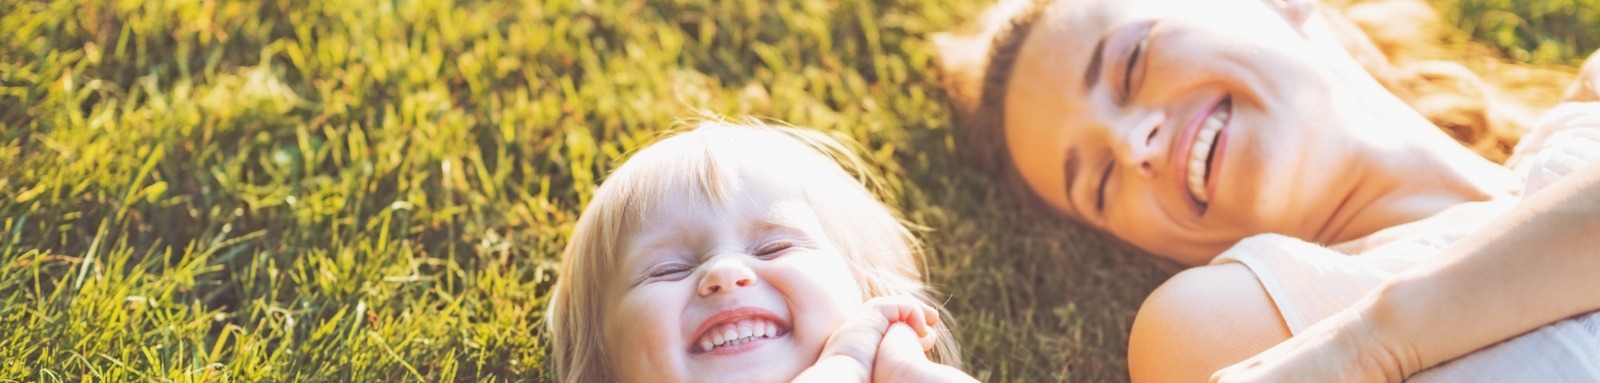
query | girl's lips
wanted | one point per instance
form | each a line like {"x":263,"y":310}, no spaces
{"x":737,"y":323}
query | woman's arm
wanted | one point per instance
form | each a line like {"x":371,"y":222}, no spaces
{"x":1528,"y":268}
{"x":1532,"y":266}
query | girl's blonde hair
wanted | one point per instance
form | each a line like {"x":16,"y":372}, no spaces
{"x":703,"y":165}
{"x":1392,"y":39}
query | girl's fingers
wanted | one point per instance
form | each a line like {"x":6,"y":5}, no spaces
{"x":929,"y":340}
{"x":900,"y":309}
{"x":918,"y":321}
{"x":900,"y":342}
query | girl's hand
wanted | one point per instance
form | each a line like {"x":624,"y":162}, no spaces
{"x":855,"y":345}
{"x":1342,"y":348}
{"x":1587,"y":86}
{"x":902,"y":357}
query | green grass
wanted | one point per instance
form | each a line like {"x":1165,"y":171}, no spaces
{"x":1543,"y":32}
{"x":341,"y":190}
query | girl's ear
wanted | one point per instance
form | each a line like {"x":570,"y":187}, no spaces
{"x":1296,"y":11}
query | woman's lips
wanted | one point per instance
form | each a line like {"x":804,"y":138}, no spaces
{"x":1198,"y":150}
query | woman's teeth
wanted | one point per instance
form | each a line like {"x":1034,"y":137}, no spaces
{"x":741,"y":332}
{"x":1200,"y":153}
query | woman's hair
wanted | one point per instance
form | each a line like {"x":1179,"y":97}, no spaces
{"x":703,"y":165}
{"x":1390,"y":38}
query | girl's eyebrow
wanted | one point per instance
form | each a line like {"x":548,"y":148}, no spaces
{"x":779,"y":226}
{"x":650,"y":243}
{"x":784,"y":218}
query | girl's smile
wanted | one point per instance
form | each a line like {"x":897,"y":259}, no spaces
{"x":738,"y":330}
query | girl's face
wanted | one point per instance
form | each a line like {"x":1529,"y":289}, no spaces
{"x":1182,"y":126}
{"x":747,"y":291}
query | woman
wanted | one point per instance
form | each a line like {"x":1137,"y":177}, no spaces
{"x":1185,"y":127}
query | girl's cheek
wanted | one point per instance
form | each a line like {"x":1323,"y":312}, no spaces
{"x":646,"y":318}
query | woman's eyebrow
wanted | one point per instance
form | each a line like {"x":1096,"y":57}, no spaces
{"x":1092,"y":75}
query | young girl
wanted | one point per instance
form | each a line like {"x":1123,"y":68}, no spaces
{"x":744,"y":253}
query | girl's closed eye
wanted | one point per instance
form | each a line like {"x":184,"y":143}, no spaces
{"x":773,"y":248}
{"x":671,"y":271}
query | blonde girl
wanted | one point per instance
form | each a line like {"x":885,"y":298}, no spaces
{"x":744,"y":253}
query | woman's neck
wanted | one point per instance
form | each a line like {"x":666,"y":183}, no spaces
{"x":1415,"y":171}
{"x":1411,"y":179}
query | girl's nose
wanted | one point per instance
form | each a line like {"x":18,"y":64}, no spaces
{"x":1137,"y":146}
{"x":725,"y":276}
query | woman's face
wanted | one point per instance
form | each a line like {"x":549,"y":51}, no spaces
{"x":1182,"y":126}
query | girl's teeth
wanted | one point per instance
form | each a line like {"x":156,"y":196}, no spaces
{"x":738,"y":333}
{"x":744,"y":329}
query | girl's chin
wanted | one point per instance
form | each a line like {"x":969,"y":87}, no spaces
{"x":756,"y":358}
{"x":760,"y":370}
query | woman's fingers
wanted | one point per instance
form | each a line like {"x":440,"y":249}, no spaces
{"x":1587,"y":86}
{"x":1342,"y":348}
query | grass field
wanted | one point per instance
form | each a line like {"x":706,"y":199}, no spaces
{"x":347,"y":190}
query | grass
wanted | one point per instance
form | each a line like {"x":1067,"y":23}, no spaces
{"x":345,"y":190}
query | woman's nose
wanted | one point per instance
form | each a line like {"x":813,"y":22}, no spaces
{"x":1136,"y":147}
{"x":725,"y":276}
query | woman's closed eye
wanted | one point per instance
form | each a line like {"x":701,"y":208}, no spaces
{"x":1100,"y":193}
{"x":1128,"y":73}
{"x":1132,"y":71}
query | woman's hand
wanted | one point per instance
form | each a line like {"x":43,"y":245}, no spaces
{"x":1343,"y":348}
{"x":853,"y":349}
{"x":1587,"y":86}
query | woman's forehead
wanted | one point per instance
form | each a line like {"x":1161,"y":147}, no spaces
{"x":1047,"y":102}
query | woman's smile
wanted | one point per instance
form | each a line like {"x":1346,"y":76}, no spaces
{"x":1198,"y":152}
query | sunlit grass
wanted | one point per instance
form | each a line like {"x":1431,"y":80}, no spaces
{"x":295,"y":190}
